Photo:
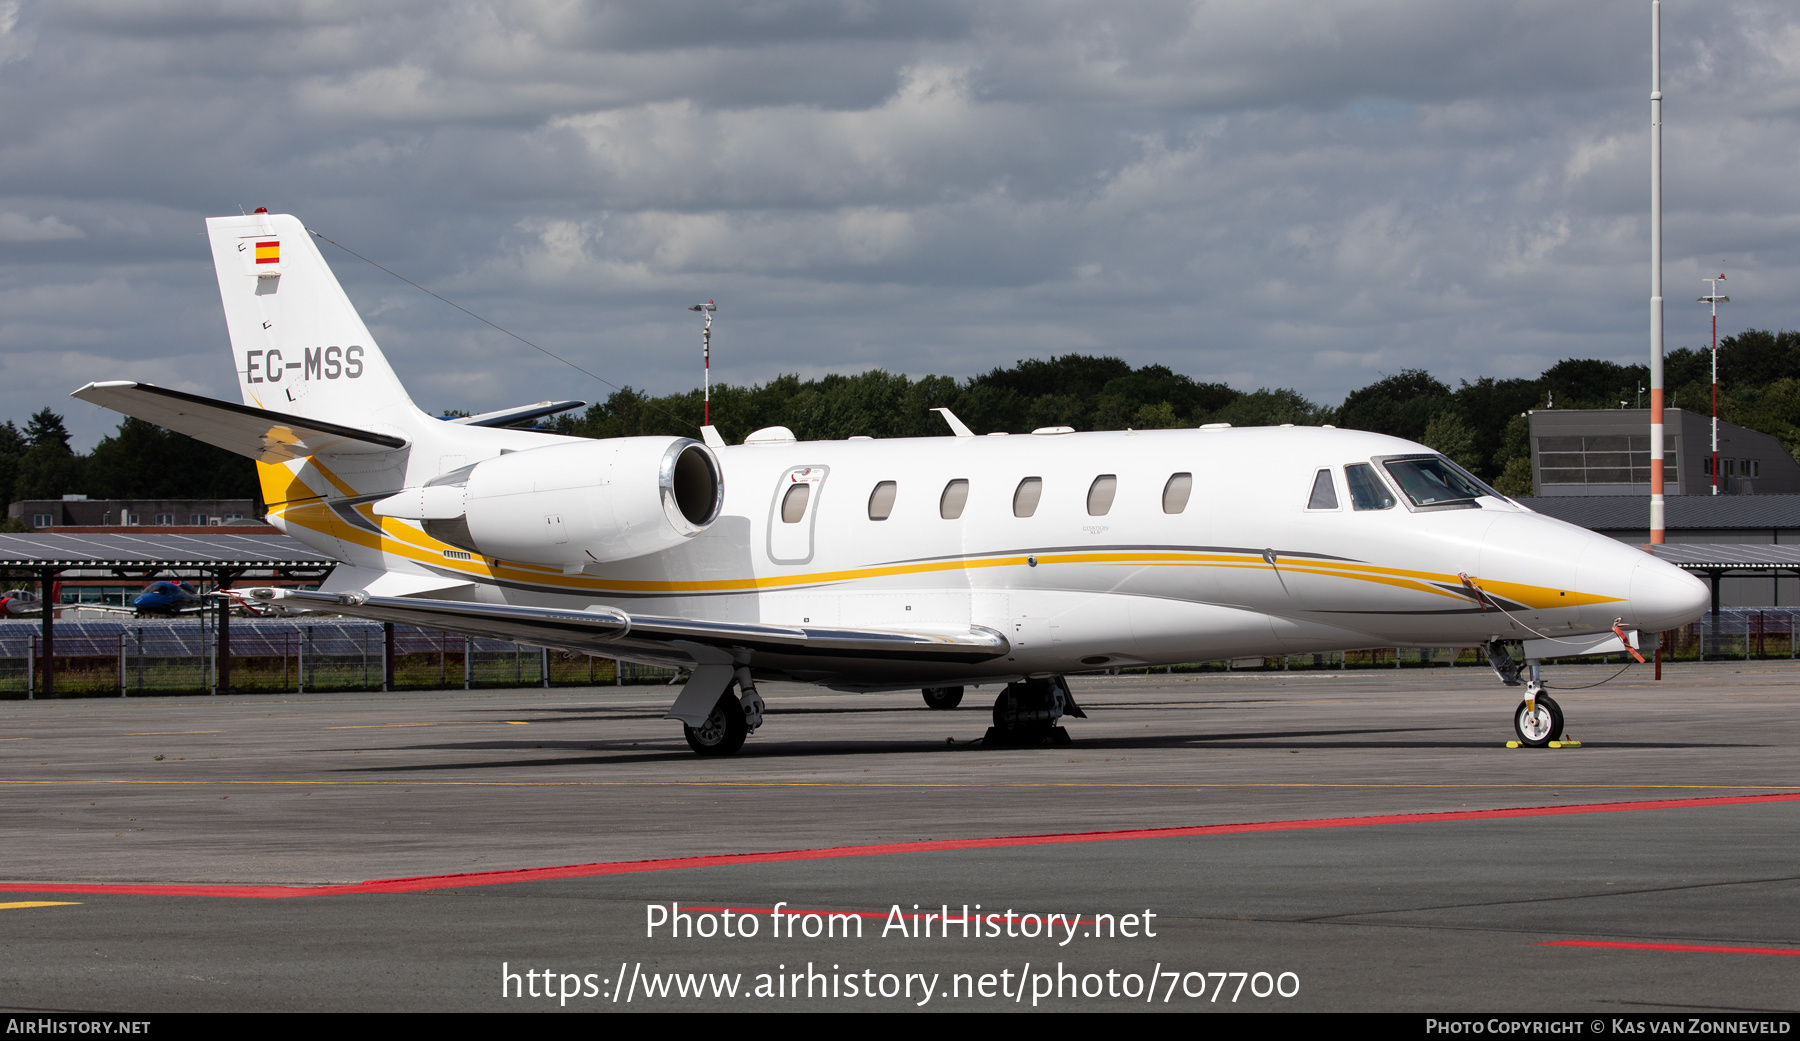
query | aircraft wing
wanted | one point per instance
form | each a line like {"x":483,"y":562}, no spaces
{"x":611,"y":631}
{"x":270,"y":437}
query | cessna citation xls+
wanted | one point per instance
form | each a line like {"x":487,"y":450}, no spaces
{"x":864,"y":565}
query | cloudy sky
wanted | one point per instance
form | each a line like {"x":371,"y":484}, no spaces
{"x":1259,"y":192}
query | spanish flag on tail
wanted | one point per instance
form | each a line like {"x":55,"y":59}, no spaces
{"x":268,"y":252}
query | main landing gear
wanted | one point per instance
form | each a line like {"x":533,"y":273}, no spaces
{"x":944,"y":698}
{"x":1539,"y":719}
{"x":723,"y":732}
{"x":1026,"y":712}
{"x":737,"y":713}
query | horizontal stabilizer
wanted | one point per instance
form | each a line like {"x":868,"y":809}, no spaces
{"x":609,"y":630}
{"x":269,"y":437}
{"x":508,"y":416}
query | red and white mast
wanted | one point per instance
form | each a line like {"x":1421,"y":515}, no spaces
{"x":1657,"y":532}
{"x":1715,"y":300}
{"x":706,"y":309}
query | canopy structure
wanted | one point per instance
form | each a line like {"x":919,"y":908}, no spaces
{"x":1715,"y":560}
{"x":223,"y":557}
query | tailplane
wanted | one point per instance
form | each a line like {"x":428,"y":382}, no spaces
{"x":298,"y":345}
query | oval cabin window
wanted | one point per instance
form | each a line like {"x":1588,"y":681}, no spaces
{"x":1176,"y":492}
{"x":1026,"y":496}
{"x":793,"y":504}
{"x":881,"y":500}
{"x":955,"y":497}
{"x":1100,"y":494}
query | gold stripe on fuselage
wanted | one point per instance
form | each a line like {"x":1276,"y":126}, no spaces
{"x":400,"y":539}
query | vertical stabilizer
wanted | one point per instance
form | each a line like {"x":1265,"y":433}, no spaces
{"x":298,"y":345}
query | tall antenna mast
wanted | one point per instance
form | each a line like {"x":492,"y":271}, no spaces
{"x":1657,"y":451}
{"x":706,"y":309}
{"x":1715,"y":300}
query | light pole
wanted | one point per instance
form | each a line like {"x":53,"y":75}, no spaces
{"x":1715,"y":300}
{"x":1657,"y":533}
{"x":706,"y":309}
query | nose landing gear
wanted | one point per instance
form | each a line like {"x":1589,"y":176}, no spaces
{"x":1539,"y":719}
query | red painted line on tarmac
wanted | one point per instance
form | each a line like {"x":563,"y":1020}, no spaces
{"x":629,"y":867}
{"x":1701,"y":948}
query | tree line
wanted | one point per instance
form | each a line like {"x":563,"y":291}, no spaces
{"x":138,"y":461}
{"x":1481,"y":423}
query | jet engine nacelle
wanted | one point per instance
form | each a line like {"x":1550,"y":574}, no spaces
{"x":572,"y":504}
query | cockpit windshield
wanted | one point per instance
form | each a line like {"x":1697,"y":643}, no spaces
{"x":1432,"y":480}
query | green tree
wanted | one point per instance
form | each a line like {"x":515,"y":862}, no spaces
{"x":1268,"y":408}
{"x":1452,"y":436}
{"x":141,"y":460}
{"x":1401,"y":405}
{"x":49,"y":469}
{"x":45,"y":428}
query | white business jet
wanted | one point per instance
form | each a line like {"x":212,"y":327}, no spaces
{"x":867,"y":565}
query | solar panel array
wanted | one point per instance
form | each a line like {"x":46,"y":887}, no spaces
{"x":123,"y":549}
{"x":249,"y":637}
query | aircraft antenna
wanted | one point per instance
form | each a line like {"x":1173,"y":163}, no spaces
{"x":706,"y":309}
{"x":1715,"y":300}
{"x":484,"y":321}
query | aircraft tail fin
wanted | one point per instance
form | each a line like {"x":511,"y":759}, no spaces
{"x":298,"y":345}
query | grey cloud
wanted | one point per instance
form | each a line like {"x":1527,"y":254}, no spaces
{"x":1295,"y":193}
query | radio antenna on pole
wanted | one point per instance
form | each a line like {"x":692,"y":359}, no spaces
{"x":1715,"y":300}
{"x":706,"y":309}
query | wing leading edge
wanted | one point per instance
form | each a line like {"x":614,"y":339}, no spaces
{"x":608,"y":630}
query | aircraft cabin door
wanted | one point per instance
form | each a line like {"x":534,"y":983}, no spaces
{"x":793,"y":514}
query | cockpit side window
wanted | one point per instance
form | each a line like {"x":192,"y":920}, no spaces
{"x":1432,"y":480}
{"x":1366,"y":490}
{"x":1324,"y":493}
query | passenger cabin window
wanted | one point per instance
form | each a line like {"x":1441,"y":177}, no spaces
{"x":1176,"y":492}
{"x":1366,"y":490}
{"x":1100,"y":494}
{"x":793,"y":504}
{"x":955,"y":497}
{"x":1324,"y":493}
{"x":881,"y":500}
{"x":1026,"y":496}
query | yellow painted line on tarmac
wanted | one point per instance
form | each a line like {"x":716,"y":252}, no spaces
{"x":39,"y":903}
{"x":166,"y":733}
{"x":1789,"y":787}
{"x":445,"y":723}
{"x":15,"y":738}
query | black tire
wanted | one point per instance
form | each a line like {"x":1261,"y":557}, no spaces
{"x":1556,"y":715}
{"x":723,"y":732}
{"x":1541,"y":726}
{"x":945,"y":698}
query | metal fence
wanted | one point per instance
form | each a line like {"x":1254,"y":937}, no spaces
{"x":181,"y":657}
{"x":1740,"y":634}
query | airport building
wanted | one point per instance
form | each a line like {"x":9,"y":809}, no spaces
{"x":1607,"y":452}
{"x":1591,"y":467}
{"x":81,"y":511}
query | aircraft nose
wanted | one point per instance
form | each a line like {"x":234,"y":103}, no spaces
{"x":1665,"y":597}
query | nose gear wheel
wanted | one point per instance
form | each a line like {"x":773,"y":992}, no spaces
{"x":1538,"y":722}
